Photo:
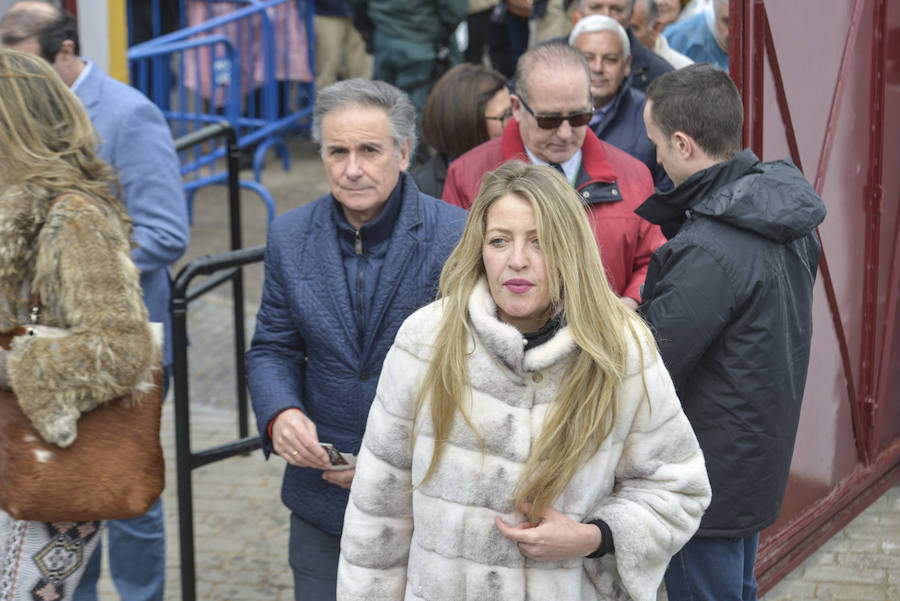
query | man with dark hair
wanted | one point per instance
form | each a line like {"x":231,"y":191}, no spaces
{"x":551,"y":111}
{"x":646,"y":65}
{"x":135,"y":139}
{"x":44,"y":30}
{"x":647,"y":27}
{"x":730,"y":299}
{"x":342,"y":274}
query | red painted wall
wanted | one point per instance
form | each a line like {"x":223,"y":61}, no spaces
{"x":821,"y":85}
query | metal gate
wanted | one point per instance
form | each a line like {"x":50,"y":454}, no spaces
{"x":820,"y":80}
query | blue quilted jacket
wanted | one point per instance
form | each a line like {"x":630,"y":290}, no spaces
{"x":623,"y":127}
{"x":306,"y":352}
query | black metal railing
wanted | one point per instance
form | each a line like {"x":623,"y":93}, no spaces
{"x":219,"y":269}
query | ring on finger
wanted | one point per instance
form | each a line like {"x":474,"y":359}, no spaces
{"x":294,"y":452}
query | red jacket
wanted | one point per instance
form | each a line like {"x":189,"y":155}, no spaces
{"x":612,"y":183}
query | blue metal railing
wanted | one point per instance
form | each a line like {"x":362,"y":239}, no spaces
{"x":235,"y":66}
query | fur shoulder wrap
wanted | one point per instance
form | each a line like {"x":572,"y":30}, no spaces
{"x":78,"y":259}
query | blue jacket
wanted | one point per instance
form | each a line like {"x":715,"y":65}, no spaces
{"x":136,"y":140}
{"x":623,"y":126}
{"x":307,"y":353}
{"x":646,"y":65}
{"x":693,"y":38}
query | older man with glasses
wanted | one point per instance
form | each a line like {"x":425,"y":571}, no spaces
{"x":551,"y":111}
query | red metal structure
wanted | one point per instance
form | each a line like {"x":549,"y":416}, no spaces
{"x":820,"y":81}
{"x":71,"y":6}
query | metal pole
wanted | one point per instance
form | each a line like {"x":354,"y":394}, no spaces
{"x":234,"y":204}
{"x":183,"y":445}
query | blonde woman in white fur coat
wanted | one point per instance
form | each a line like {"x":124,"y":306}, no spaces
{"x":525,"y":442}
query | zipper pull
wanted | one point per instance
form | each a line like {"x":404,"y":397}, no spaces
{"x":358,"y":243}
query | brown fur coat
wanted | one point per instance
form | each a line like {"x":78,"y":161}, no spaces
{"x":75,"y":254}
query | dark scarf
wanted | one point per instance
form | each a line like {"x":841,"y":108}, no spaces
{"x":547,"y":331}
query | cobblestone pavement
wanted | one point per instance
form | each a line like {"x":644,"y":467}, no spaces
{"x":241,"y":527}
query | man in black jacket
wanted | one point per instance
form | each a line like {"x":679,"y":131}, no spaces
{"x":730,"y":299}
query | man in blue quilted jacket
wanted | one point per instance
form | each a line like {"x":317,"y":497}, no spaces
{"x":342,"y":274}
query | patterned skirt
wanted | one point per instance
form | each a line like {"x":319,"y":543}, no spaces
{"x":44,"y":561}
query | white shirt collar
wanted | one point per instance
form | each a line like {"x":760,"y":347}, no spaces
{"x":570,"y":167}
{"x":88,"y":65}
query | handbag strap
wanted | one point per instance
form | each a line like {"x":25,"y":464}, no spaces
{"x":34,"y":302}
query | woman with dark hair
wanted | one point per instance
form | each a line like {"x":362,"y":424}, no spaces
{"x":468,"y":105}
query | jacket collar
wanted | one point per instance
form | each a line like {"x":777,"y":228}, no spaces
{"x":404,"y":239}
{"x":610,"y":114}
{"x":669,"y":210}
{"x":593,"y":157}
{"x":640,"y":56}
{"x":506,"y":342}
{"x":376,"y":231}
{"x":89,"y":87}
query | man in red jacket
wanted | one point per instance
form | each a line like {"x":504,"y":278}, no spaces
{"x":551,"y":110}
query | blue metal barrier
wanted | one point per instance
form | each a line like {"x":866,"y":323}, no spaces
{"x":238,"y":66}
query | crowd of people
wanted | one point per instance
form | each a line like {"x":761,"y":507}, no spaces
{"x":546,"y":337}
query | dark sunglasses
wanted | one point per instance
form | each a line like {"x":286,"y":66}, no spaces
{"x":575,"y":120}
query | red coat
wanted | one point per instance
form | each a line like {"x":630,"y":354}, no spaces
{"x":612,"y":183}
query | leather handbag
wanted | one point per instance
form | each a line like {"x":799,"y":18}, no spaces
{"x":113,"y":470}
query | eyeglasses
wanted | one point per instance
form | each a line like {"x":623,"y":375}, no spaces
{"x":547,"y":122}
{"x":501,"y":118}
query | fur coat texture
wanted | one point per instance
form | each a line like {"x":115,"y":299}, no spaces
{"x":438,"y":541}
{"x":75,"y":254}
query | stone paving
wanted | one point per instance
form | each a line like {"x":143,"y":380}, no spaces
{"x":859,"y":563}
{"x":241,"y":527}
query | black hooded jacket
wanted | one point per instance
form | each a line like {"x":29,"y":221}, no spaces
{"x":729,"y":297}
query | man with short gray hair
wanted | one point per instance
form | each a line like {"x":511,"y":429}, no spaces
{"x":647,"y":27}
{"x":618,"y":108}
{"x":342,"y":274}
{"x":646,"y":65}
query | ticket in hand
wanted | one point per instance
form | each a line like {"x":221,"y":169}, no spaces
{"x":339,"y":461}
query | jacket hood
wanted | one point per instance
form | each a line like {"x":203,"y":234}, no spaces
{"x":773,"y":199}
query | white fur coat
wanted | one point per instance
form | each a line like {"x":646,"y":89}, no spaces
{"x":438,"y":542}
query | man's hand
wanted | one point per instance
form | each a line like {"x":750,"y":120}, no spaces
{"x":295,"y":439}
{"x":553,"y":538}
{"x":342,"y":478}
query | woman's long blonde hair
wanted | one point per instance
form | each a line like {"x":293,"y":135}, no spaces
{"x":583,"y":412}
{"x":47,"y":142}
